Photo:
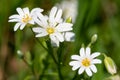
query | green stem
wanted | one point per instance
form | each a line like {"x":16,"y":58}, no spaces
{"x":59,"y":54}
{"x":45,"y":67}
{"x":75,"y":76}
{"x":59,"y":71}
{"x":86,"y":77}
{"x":41,"y":44}
{"x":30,"y":66}
{"x":50,"y":51}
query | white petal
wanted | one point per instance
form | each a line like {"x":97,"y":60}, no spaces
{"x":14,"y":20}
{"x":15,"y":16}
{"x":93,"y":68}
{"x":82,"y":52}
{"x":20,"y":11}
{"x":81,"y":70}
{"x":42,"y":19}
{"x":40,"y":35}
{"x":96,"y":61}
{"x":52,"y":14}
{"x":22,"y":26}
{"x":36,"y":10}
{"x":75,"y":57}
{"x":69,"y":36}
{"x":58,"y":15}
{"x":55,"y":43}
{"x":31,"y":22}
{"x":16,"y":26}
{"x":41,"y":31}
{"x":72,"y":63}
{"x":59,"y":36}
{"x":88,"y":71}
{"x":75,"y":65}
{"x":37,"y":29}
{"x":38,"y":22}
{"x":88,"y":51}
{"x":64,"y":27}
{"x":95,"y":54}
{"x":26,"y":10}
{"x":53,"y":38}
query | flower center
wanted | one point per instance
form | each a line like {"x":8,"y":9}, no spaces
{"x":26,"y":18}
{"x":86,"y":62}
{"x":50,"y":30}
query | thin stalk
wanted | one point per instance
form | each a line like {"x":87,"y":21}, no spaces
{"x":59,"y":54}
{"x":59,"y":72}
{"x":86,"y":77}
{"x":50,"y":51}
{"x":30,"y":66}
{"x":75,"y":76}
{"x":39,"y":41}
{"x":45,"y":67}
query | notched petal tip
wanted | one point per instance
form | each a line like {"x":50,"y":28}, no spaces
{"x":37,"y":35}
{"x":82,"y":51}
{"x":18,"y":8}
{"x":54,"y":7}
{"x":71,"y":63}
{"x":15,"y":29}
{"x":37,"y":10}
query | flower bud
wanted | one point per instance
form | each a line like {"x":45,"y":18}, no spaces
{"x":110,"y":65}
{"x":69,"y":20}
{"x":94,"y":38}
{"x":20,"y":54}
{"x":28,"y":57}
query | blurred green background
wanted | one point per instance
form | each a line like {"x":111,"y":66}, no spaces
{"x":94,"y":16}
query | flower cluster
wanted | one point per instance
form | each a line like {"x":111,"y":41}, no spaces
{"x":58,"y":31}
{"x":52,"y":25}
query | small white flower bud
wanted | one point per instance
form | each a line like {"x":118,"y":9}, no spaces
{"x":20,"y":54}
{"x":110,"y":65}
{"x":94,"y":38}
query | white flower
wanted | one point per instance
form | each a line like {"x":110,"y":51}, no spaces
{"x":69,"y":8}
{"x":53,"y":26}
{"x":23,"y":17}
{"x":85,"y":62}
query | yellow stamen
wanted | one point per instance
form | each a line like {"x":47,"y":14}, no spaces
{"x":86,"y":62}
{"x":26,"y":18}
{"x":50,"y":30}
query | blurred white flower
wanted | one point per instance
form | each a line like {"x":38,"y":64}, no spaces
{"x":85,"y":62}
{"x":23,"y":17}
{"x":69,"y":8}
{"x":53,"y":26}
